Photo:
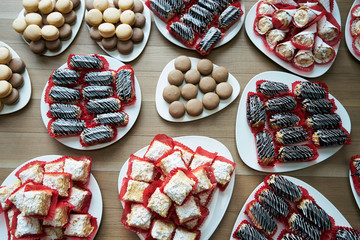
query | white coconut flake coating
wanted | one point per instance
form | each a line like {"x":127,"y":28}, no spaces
{"x":162,"y":230}
{"x":139,"y":217}
{"x":36,"y":203}
{"x":60,"y":218}
{"x":79,"y":170}
{"x":142,"y":171}
{"x":179,"y":187}
{"x":27,"y":225}
{"x":79,"y":225}
{"x":34,"y":173}
{"x":222,"y":171}
{"x":54,"y":167}
{"x":188,"y":210}
{"x":53,"y":233}
{"x":156,"y":150}
{"x":10,"y":215}
{"x":77,"y":196}
{"x":171,"y":162}
{"x":134,"y":191}
{"x":159,"y":203}
{"x":199,"y":160}
{"x":181,"y":234}
{"x":204,"y":182}
{"x":186,"y":155}
{"x":59,"y":182}
{"x":18,"y":198}
{"x":6,"y":191}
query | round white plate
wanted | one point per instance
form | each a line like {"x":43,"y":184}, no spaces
{"x":229,"y":34}
{"x":348,"y":37}
{"x":257,"y":41}
{"x":247,"y":149}
{"x":138,"y":47}
{"x":356,"y":195}
{"x":219,"y":201}
{"x":75,"y":29}
{"x":162,"y":106}
{"x":24,"y":91}
{"x":132,"y":110}
{"x":96,"y":205}
{"x":319,"y":198}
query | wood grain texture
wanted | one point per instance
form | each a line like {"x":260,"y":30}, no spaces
{"x":23,"y":135}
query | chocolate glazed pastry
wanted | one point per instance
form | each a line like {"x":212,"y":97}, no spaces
{"x":324,"y":121}
{"x":291,"y":135}
{"x":248,"y":232}
{"x":97,"y":134}
{"x":310,"y":90}
{"x":183,"y":32}
{"x":228,"y":17}
{"x":163,"y":8}
{"x":290,"y":236}
{"x":272,"y":202}
{"x":124,"y":85}
{"x":272,"y":89}
{"x":64,"y":95}
{"x":283,"y":120}
{"x":315,"y":214}
{"x":295,"y":153}
{"x":209,"y":41}
{"x":317,"y":106}
{"x":210,"y":5}
{"x":103,"y":78}
{"x":255,"y":112}
{"x":331,"y":137}
{"x":65,"y":127}
{"x":265,"y":148}
{"x":195,"y":23}
{"x":201,"y":13}
{"x":92,"y":92}
{"x":304,"y":229}
{"x":116,"y":118}
{"x":347,"y":234}
{"x":67,"y":111}
{"x":356,"y":163}
{"x":284,"y":187}
{"x":78,"y":61}
{"x":63,"y":77}
{"x":105,"y":105}
{"x":261,"y":218}
{"x":280,"y":104}
{"x":178,"y":5}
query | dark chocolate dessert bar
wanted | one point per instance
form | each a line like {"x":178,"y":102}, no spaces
{"x":97,"y":134}
{"x":105,"y":105}
{"x":210,"y":5}
{"x":280,"y":104}
{"x":310,"y":90}
{"x":317,"y":106}
{"x":315,"y":214}
{"x":295,"y":153}
{"x":248,"y":232}
{"x":291,"y":135}
{"x":64,"y":95}
{"x":116,"y":118}
{"x":195,"y":23}
{"x":230,"y":15}
{"x":201,"y":13}
{"x":272,"y":202}
{"x":103,"y":78}
{"x":261,"y":217}
{"x":178,"y":5}
{"x":65,"y":127}
{"x":92,"y":92}
{"x":162,"y":8}
{"x":324,"y":121}
{"x":182,"y":32}
{"x":284,"y":187}
{"x":265,"y":148}
{"x":66,"y":111}
{"x":356,"y":163}
{"x":255,"y":111}
{"x":209,"y":41}
{"x":325,"y":137}
{"x":124,"y":85}
{"x":63,"y":77}
{"x":283,"y":120}
{"x":300,"y":226}
{"x":272,"y":89}
{"x":347,"y":234}
{"x":290,"y":236}
{"x":78,"y":61}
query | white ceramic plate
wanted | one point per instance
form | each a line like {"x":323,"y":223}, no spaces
{"x":229,"y":34}
{"x":319,"y":198}
{"x":219,"y":201}
{"x":132,"y":110}
{"x":96,"y":205}
{"x":162,"y":106}
{"x":348,"y":37}
{"x":24,"y":91}
{"x":75,"y":29}
{"x":257,"y":41}
{"x":247,"y":149}
{"x":138,"y":47}
{"x":356,"y":195}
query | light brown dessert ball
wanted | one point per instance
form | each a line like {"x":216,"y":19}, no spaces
{"x":220,"y":74}
{"x":140,"y":20}
{"x":194,"y":107}
{"x":94,"y":17}
{"x":33,"y":32}
{"x":50,"y":32}
{"x":38,"y":47}
{"x":207,"y":84}
{"x":124,"y":32}
{"x":107,"y":30}
{"x":64,"y":6}
{"x":189,"y":91}
{"x":33,"y":18}
{"x":5,"y":55}
{"x":210,"y":100}
{"x":111,"y":15}
{"x":182,"y":63}
{"x":16,"y":80}
{"x":53,"y":46}
{"x":175,"y":77}
{"x":128,"y":17}
{"x":31,"y":5}
{"x":70,"y":18}
{"x":46,"y":6}
{"x":138,"y":6}
{"x":125,"y":47}
{"x":56,"y":19}
{"x":205,"y":66}
{"x":19,"y":24}
{"x":192,"y":76}
{"x":125,"y":4}
{"x":5,"y":88}
{"x":89,"y":4}
{"x":176,"y":109}
{"x":224,"y":90}
{"x":171,"y":93}
{"x":101,"y":4}
{"x":65,"y":32}
{"x":95,"y":34}
{"x":76,"y":3}
{"x":138,"y":35}
{"x":17,"y":65}
{"x":12,"y":99}
{"x":109,"y":43}
{"x":5,"y":72}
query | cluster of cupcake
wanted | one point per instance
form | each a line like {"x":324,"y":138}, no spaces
{"x":211,"y":81}
{"x":116,"y":25}
{"x":11,"y":78}
{"x":355,"y":28}
{"x":45,"y":24}
{"x":303,"y":34}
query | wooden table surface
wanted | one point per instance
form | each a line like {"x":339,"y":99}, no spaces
{"x":23,"y":135}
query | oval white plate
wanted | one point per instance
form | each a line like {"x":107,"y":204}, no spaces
{"x":356,"y":195}
{"x":96,"y":205}
{"x":247,"y":149}
{"x":24,"y":91}
{"x":257,"y":41}
{"x":162,"y":106}
{"x":138,"y":47}
{"x":132,"y":110}
{"x":229,"y":34}
{"x":75,"y":29}
{"x":319,"y":198}
{"x":348,"y":37}
{"x":219,"y":201}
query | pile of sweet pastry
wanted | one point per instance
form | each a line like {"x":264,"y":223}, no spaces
{"x":166,"y":191}
{"x":281,"y":119}
{"x":303,"y":34}
{"x":197,"y":24}
{"x":45,"y":24}
{"x":355,"y":28}
{"x":88,"y":99}
{"x":282,"y":203}
{"x":50,"y":200}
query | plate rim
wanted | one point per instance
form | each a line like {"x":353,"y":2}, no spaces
{"x":355,"y":194}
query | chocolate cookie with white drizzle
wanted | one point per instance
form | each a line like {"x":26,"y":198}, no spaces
{"x":284,"y":187}
{"x":210,"y":39}
{"x":248,"y":232}
{"x":255,"y":111}
{"x":64,"y":77}
{"x":317,"y":106}
{"x":116,"y":118}
{"x":124,"y":85}
{"x":303,"y":228}
{"x":67,"y":127}
{"x":272,"y":89}
{"x":315,"y":214}
{"x":59,"y":94}
{"x":265,"y":148}
{"x":325,"y":137}
{"x":295,"y":153}
{"x":103,"y":78}
{"x":291,"y":135}
{"x":96,"y":92}
{"x":272,"y":202}
{"x":78,"y":61}
{"x":261,"y":217}
{"x":230,"y":15}
{"x":105,"y":105}
{"x":280,"y":104}
{"x":96,"y":135}
{"x":310,"y":90}
{"x":323,"y":121}
{"x":283,"y":120}
{"x":66,"y":111}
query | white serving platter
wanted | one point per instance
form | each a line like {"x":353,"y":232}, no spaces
{"x":96,"y":205}
{"x":348,"y":37}
{"x":356,"y":195}
{"x":257,"y":41}
{"x":247,"y":148}
{"x":162,"y":106}
{"x":132,"y":110}
{"x":24,"y":91}
{"x":319,"y":198}
{"x":219,"y":201}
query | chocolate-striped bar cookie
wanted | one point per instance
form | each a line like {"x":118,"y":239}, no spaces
{"x":265,"y":148}
{"x":280,"y":104}
{"x":326,"y":137}
{"x":209,"y":41}
{"x":283,"y":120}
{"x":317,"y":106}
{"x":105,"y":105}
{"x":246,"y":231}
{"x":92,"y":92}
{"x":66,"y":111}
{"x":261,"y":217}
{"x":315,"y":214}
{"x":310,"y":90}
{"x":59,"y":94}
{"x":116,"y":118}
{"x":125,"y":85}
{"x":63,"y":77}
{"x":284,"y":187}
{"x":182,"y":32}
{"x":272,"y":202}
{"x":197,"y":24}
{"x":324,"y":121}
{"x":210,"y":5}
{"x":303,"y":228}
{"x":344,"y":233}
{"x":201,"y":13}
{"x":162,"y":8}
{"x":295,"y":153}
{"x":228,"y":17}
{"x":66,"y":127}
{"x":103,"y":78}
{"x":291,"y":135}
{"x":78,"y":61}
{"x":96,"y":135}
{"x":272,"y":89}
{"x":255,"y":111}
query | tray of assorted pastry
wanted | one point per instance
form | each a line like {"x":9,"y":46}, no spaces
{"x":301,"y":36}
{"x":284,"y":207}
{"x":207,"y":89}
{"x":354,"y":178}
{"x":176,"y":188}
{"x":15,"y":84}
{"x":293,"y":123}
{"x":49,"y":26}
{"x":90,"y":102}
{"x":120,"y":28}
{"x":51,"y":197}
{"x":352,"y":30}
